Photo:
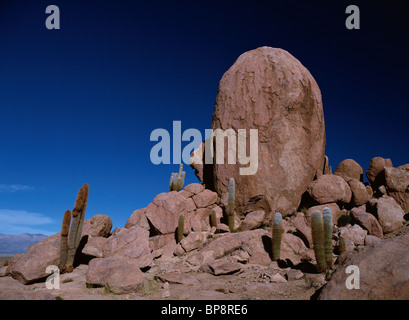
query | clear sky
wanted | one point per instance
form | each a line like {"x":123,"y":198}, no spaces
{"x":77,"y":105}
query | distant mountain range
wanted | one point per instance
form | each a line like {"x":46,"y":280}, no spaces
{"x":18,"y":243}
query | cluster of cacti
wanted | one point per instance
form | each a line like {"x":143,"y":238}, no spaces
{"x":177,"y":180}
{"x":231,"y":205}
{"x":321,"y":225}
{"x":71,"y":235}
{"x":276,"y":236}
{"x":181,"y":227}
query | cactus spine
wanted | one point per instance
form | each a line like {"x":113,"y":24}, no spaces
{"x":177,"y":180}
{"x":75,"y":233}
{"x":327,"y":219}
{"x":65,"y":229}
{"x":318,"y":239}
{"x":276,"y":237}
{"x":231,"y":204}
{"x":181,"y":227}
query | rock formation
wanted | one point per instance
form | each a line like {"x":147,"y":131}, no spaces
{"x":270,"y":90}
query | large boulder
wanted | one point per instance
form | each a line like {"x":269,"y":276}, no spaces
{"x":367,"y":221}
{"x":269,"y":90}
{"x":397,"y":181}
{"x":118,"y":274}
{"x":31,"y":266}
{"x":164,"y":211}
{"x":349,"y":169}
{"x":375,"y":173}
{"x":390,"y":214}
{"x":133,"y":244}
{"x":330,"y":188}
{"x":360,"y":194}
{"x":99,"y":225}
{"x":383,"y":272}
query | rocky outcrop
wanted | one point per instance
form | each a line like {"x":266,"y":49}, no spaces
{"x":383,"y":272}
{"x":31,"y":266}
{"x":269,"y":90}
{"x":330,"y":188}
{"x":397,"y":182}
{"x":390,"y":214}
{"x":375,"y":173}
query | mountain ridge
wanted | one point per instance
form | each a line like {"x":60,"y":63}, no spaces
{"x":18,"y":243}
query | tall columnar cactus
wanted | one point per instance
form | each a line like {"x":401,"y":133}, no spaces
{"x":321,"y":225}
{"x":213,"y":219}
{"x":65,"y":229}
{"x":341,"y":246}
{"x":181,"y":227}
{"x":75,"y":234}
{"x":318,"y":239}
{"x":327,"y":219}
{"x":276,"y":237}
{"x":231,"y":205}
{"x":177,"y":180}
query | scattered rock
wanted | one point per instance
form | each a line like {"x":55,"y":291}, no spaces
{"x":390,"y":214}
{"x":294,"y":274}
{"x":178,"y":278}
{"x":330,"y":188}
{"x":367,"y":221}
{"x":253,"y":220}
{"x":223,"y":266}
{"x":397,"y":181}
{"x":278,"y":278}
{"x":353,"y":233}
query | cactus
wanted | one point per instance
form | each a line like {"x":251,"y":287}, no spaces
{"x":317,"y":229}
{"x":177,"y":180}
{"x":230,"y":205}
{"x":213,"y":220}
{"x":276,"y":237}
{"x":341,"y":246}
{"x":327,"y":219}
{"x":181,"y":227}
{"x":321,"y":225}
{"x":75,"y":234}
{"x":65,"y":229}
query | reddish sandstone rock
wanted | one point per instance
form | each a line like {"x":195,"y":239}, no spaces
{"x":269,"y":90}
{"x":330,"y":188}
{"x":349,"y":169}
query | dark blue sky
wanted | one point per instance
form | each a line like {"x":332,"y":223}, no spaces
{"x":77,"y":105}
